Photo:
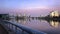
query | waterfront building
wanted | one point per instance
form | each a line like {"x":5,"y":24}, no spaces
{"x":4,"y":16}
{"x":54,"y":14}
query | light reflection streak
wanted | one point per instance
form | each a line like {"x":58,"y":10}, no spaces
{"x":54,"y":24}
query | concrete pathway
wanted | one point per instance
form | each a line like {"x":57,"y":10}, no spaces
{"x":2,"y":30}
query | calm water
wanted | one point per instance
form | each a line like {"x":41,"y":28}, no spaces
{"x":50,"y":27}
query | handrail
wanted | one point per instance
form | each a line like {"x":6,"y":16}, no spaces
{"x":28,"y":30}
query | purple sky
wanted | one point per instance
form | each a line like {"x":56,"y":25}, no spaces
{"x":29,"y":7}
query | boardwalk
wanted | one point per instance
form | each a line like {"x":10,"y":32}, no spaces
{"x":2,"y":30}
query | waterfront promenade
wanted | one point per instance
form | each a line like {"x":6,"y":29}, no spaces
{"x":2,"y":30}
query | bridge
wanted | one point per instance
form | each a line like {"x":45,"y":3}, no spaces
{"x":7,"y":27}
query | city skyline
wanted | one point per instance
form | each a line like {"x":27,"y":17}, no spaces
{"x":31,"y":7}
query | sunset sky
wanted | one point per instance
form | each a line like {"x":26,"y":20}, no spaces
{"x":31,"y":7}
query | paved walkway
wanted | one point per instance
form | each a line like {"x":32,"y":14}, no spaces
{"x":2,"y":30}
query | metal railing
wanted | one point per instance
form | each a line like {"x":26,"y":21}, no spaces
{"x":19,"y":29}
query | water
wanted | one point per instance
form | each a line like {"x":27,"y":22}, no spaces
{"x":49,"y":27}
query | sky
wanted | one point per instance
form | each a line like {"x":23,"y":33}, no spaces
{"x":30,"y":7}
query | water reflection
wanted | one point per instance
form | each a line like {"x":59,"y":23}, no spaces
{"x":48,"y":26}
{"x":54,"y":23}
{"x":23,"y":21}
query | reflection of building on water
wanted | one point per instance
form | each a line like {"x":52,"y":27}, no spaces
{"x":21,"y":16}
{"x":21,"y":21}
{"x":54,"y":14}
{"x":54,"y":23}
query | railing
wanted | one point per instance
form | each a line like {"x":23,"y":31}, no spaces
{"x":19,"y":29}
